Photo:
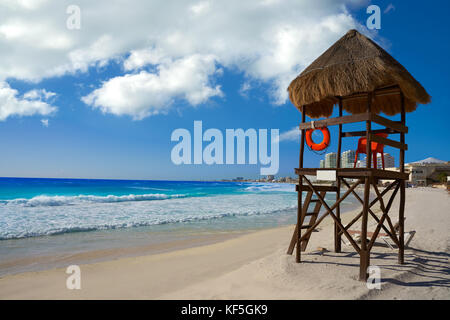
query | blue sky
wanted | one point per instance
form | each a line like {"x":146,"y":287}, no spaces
{"x":125,"y":133}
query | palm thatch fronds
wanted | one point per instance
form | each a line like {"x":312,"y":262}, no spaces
{"x":354,"y":64}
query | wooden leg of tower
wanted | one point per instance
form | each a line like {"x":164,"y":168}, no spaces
{"x":299,"y":220}
{"x":364,"y":253}
{"x":337,"y":230}
{"x":364,"y":264}
{"x":401,"y":224}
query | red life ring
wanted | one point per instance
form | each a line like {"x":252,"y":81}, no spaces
{"x":318,"y":146}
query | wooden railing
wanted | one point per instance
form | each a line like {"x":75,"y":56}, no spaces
{"x":392,"y":127}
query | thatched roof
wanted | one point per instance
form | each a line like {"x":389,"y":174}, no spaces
{"x":354,"y":64}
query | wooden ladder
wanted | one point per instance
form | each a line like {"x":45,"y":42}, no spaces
{"x":306,"y":213}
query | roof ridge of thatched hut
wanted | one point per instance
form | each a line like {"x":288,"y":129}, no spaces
{"x":354,"y":64}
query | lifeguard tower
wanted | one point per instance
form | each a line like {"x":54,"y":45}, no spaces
{"x":363,"y":80}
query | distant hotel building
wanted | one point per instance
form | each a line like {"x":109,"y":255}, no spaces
{"x":361,"y":163}
{"x":427,"y":171}
{"x":348,"y":158}
{"x":389,"y":161}
{"x":330,"y":160}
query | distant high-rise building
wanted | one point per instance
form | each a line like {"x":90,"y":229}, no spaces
{"x":348,"y":158}
{"x":322,"y":164}
{"x":361,"y":163}
{"x":389,"y":161}
{"x":330,"y":160}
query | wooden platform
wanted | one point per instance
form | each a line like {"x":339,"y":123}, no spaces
{"x":357,"y":173}
{"x":318,"y":188}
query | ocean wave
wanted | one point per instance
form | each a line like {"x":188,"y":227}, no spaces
{"x":149,"y":188}
{"x":271,"y":187}
{"x":44,"y":200}
{"x":25,"y":222}
{"x":74,"y":229}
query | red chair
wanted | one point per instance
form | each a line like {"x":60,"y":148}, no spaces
{"x":376,"y":148}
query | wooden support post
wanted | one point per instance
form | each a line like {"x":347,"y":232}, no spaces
{"x":300,"y":192}
{"x":364,"y":253}
{"x":368,"y":131}
{"x":337,"y":236}
{"x":364,"y":264}
{"x":402,"y":135}
{"x":299,"y":219}
{"x":401,"y":214}
{"x":401,"y":224}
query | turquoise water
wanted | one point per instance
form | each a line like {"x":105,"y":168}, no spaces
{"x":43,"y":217}
{"x":41,"y":207}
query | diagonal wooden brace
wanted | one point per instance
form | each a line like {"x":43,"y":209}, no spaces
{"x":370,"y":211}
{"x":330,"y":212}
{"x":332,"y":208}
{"x":385,"y":215}
{"x":370,"y":205}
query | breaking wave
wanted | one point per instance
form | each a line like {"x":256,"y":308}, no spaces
{"x":27,"y":219}
{"x":271,"y":187}
{"x":44,"y":200}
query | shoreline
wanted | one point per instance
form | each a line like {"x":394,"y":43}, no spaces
{"x":255,"y":266}
{"x":47,"y":253}
{"x":39,"y":263}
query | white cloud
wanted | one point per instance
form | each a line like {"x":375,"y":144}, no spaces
{"x":140,"y":58}
{"x":44,"y":122}
{"x":143,"y":94}
{"x":11,"y":104}
{"x":291,"y":135}
{"x":245,"y":88}
{"x":268,"y":41}
{"x":201,"y":7}
{"x":25,"y":4}
{"x":39,"y":94}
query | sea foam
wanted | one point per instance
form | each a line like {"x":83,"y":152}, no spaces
{"x":44,"y":200}
{"x":20,"y":219}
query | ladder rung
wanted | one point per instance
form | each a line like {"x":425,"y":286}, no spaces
{"x":305,"y":227}
{"x":314,"y":200}
{"x":311,"y":213}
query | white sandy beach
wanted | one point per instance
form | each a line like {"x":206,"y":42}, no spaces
{"x":255,"y":266}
